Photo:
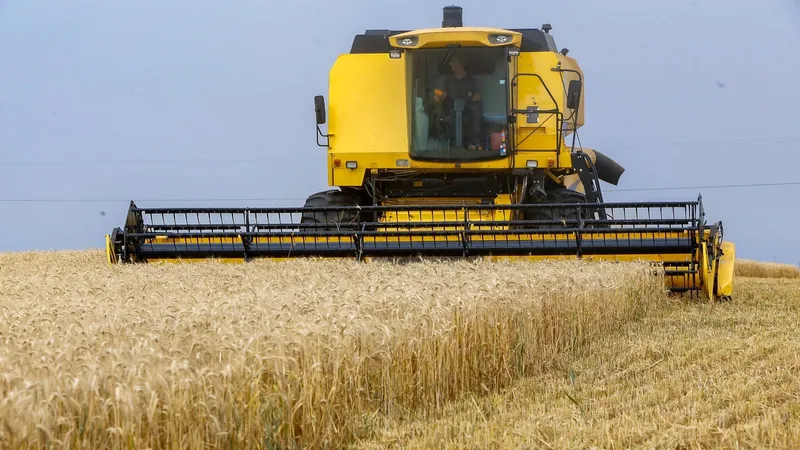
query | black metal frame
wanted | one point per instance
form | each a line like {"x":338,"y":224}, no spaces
{"x":205,"y":232}
{"x":587,"y":173}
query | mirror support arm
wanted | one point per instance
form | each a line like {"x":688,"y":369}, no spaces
{"x":326,"y":136}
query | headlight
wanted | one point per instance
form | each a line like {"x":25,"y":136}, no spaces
{"x":351,"y":164}
{"x":407,"y":41}
{"x":500,"y":39}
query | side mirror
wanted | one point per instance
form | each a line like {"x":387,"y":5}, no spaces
{"x":319,"y":108}
{"x":574,"y":94}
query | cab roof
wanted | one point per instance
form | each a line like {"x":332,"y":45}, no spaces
{"x":378,"y":41}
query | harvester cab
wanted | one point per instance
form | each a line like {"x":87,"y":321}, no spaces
{"x":451,"y":141}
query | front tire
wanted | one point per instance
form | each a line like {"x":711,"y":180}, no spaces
{"x":331,"y":220}
{"x":567,"y":216}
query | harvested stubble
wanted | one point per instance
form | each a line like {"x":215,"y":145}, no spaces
{"x":756,"y":269}
{"x":307,"y":353}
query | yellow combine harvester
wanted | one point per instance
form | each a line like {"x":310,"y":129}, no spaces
{"x":452,"y":141}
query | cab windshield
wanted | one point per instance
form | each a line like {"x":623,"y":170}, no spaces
{"x":459,"y":104}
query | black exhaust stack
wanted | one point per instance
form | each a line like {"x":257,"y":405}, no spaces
{"x":452,"y":17}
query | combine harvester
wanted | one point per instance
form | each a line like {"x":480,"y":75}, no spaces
{"x":453,"y":142}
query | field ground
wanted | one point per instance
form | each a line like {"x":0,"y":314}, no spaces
{"x":326,"y":354}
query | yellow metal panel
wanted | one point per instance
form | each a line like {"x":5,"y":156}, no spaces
{"x":725,"y":269}
{"x":543,"y":158}
{"x":456,"y":217}
{"x":610,"y":258}
{"x":707,"y":270}
{"x":571,"y":64}
{"x":330,"y":169}
{"x":198,"y":260}
{"x":432,"y":201}
{"x":389,"y":160}
{"x":574,"y":183}
{"x":368,"y":104}
{"x":110,"y":255}
{"x":350,"y":177}
{"x":466,"y":36}
{"x":532,"y":91}
{"x":500,"y":199}
{"x":450,"y":220}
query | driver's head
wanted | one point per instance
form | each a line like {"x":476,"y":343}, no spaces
{"x":457,"y":63}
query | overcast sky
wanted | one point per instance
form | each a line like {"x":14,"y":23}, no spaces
{"x":205,"y":99}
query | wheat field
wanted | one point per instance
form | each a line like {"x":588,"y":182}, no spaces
{"x":296,"y":354}
{"x":690,"y":375}
{"x":756,"y":269}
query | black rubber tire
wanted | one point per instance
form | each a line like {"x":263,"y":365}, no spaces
{"x":555,"y":196}
{"x":336,"y":220}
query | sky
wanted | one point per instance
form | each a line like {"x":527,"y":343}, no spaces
{"x":165,"y":103}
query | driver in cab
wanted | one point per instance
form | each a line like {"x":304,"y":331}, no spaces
{"x":461,"y":85}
